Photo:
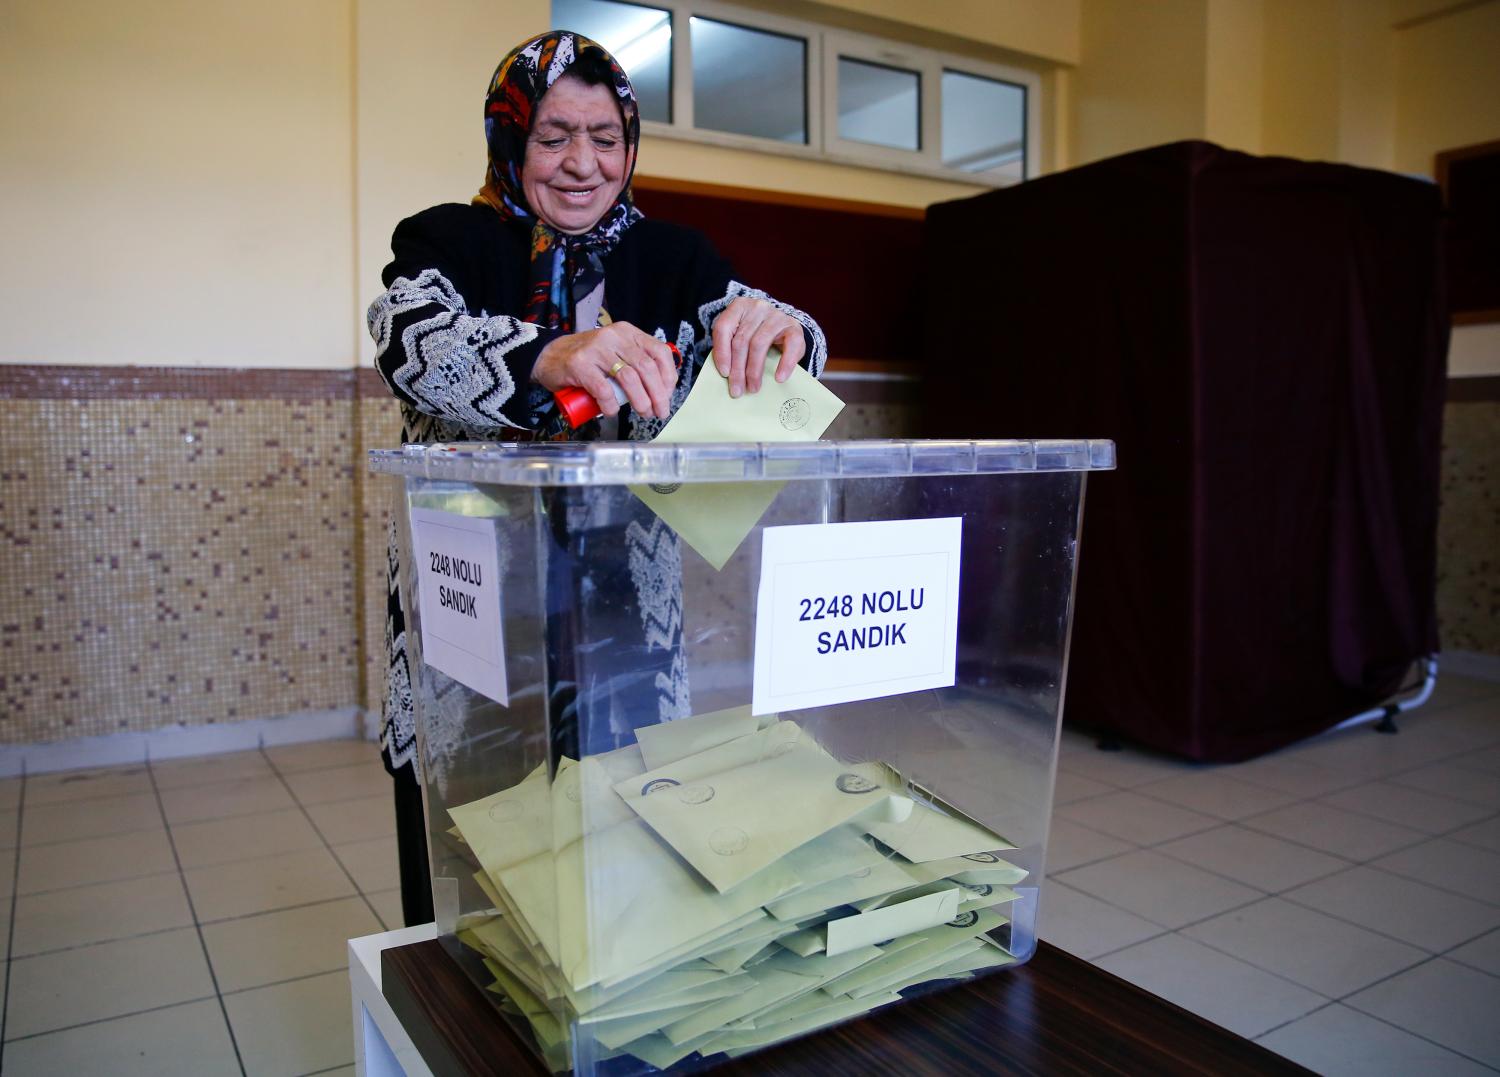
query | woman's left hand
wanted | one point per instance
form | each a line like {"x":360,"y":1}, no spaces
{"x":744,"y":333}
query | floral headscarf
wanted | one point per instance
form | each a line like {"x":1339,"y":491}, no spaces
{"x":564,"y":268}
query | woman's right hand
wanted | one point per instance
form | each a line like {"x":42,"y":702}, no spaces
{"x":586,"y":359}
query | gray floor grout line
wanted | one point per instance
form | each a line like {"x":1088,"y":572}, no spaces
{"x":1466,"y":843}
{"x":295,"y":807}
{"x":1322,"y":796}
{"x":1161,"y":852}
{"x":322,"y":844}
{"x":1455,"y":757}
{"x":327,"y":844}
{"x":1264,"y":894}
{"x":188,"y":926}
{"x":289,"y":980}
{"x":1178,"y":932}
{"x":1428,"y":955}
{"x":1293,"y":1020}
{"x":1121,"y":949}
{"x":1363,"y":780}
{"x":1285,"y":895}
{"x":96,"y":882}
{"x":198,"y":928}
{"x":1328,"y":1001}
{"x":112,"y":1017}
{"x":329,"y":1069}
{"x":186,"y":762}
{"x":1349,"y":864}
{"x":1343,"y":1000}
{"x":1444,"y":956}
{"x":281,"y":909}
{"x":1345,"y":865}
{"x":1245,"y":824}
{"x":91,"y":837}
{"x":102,"y":942}
{"x":1427,"y":881}
{"x":10,"y":939}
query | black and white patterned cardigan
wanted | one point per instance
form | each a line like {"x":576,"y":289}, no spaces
{"x":451,"y":346}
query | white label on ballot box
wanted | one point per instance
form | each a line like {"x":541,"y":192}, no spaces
{"x":855,"y":611}
{"x":458,"y":592}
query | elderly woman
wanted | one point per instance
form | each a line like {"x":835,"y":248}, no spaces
{"x":551,"y":278}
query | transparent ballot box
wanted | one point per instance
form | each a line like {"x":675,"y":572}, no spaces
{"x":723,"y":744}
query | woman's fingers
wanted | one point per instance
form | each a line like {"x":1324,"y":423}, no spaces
{"x":636,"y":392}
{"x":596,"y":382}
{"x":793,"y":347}
{"x":651,"y":360}
{"x":723,"y":334}
{"x":743,"y":335}
{"x":650,"y":371}
{"x":665,"y":364}
{"x":597,"y":360}
{"x":761,"y":342}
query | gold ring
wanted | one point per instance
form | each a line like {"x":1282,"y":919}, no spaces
{"x":620,"y":365}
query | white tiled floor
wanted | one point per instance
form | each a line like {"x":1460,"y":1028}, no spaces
{"x":189,"y":917}
{"x":1339,"y":901}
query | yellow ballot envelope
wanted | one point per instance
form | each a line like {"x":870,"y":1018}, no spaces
{"x":714,"y":518}
{"x":724,"y":882}
{"x":735,"y":809}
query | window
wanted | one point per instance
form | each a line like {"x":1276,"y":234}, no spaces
{"x":984,"y":125}
{"x":749,"y":82}
{"x":879,"y":105}
{"x":639,"y":37}
{"x":709,"y":72}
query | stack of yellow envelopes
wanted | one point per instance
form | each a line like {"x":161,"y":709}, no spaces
{"x":722,"y":885}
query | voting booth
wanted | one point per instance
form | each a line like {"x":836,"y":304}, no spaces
{"x":725,"y":743}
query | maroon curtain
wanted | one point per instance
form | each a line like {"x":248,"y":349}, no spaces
{"x":856,"y":272}
{"x":1265,"y":339}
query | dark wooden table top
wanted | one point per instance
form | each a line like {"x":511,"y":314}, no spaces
{"x":1056,"y":1014}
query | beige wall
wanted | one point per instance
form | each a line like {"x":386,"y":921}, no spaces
{"x":1140,"y":76}
{"x":1328,"y":91}
{"x":1233,"y":64}
{"x":420,"y":132}
{"x":1047,"y":29}
{"x":207,"y":184}
{"x":176,"y":181}
{"x":1448,"y":85}
{"x":1300,"y":87}
{"x":1448,"y":95}
{"x":1367,"y":84}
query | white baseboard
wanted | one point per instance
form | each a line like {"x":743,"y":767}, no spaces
{"x":1476,"y":664}
{"x":172,"y":742}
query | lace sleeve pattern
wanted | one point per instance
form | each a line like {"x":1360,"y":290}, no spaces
{"x":447,"y":362}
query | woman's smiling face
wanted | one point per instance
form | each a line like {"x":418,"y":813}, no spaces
{"x":576,"y":160}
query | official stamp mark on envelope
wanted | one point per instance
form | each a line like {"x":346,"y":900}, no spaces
{"x":728,"y":840}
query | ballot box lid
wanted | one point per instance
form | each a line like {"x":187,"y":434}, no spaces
{"x":611,"y":463}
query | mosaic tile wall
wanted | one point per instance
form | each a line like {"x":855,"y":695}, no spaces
{"x":173,"y":560}
{"x":379,"y":428}
{"x":1468,"y":582}
{"x":220,"y":555}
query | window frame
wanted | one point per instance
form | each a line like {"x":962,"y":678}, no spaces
{"x":683,"y":126}
{"x":1030,"y":116}
{"x":854,"y":47}
{"x":824,"y":46}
